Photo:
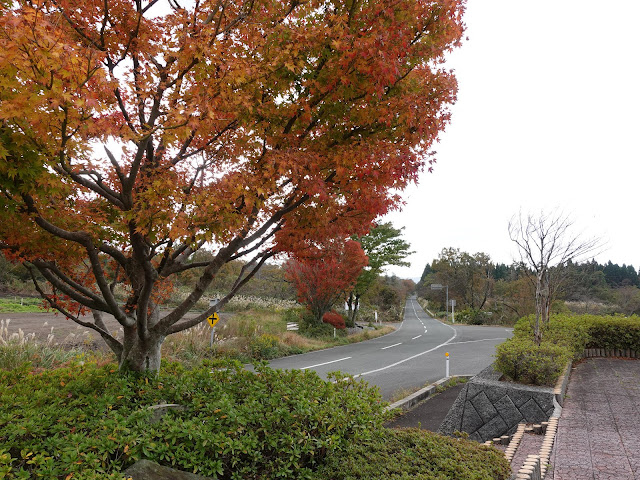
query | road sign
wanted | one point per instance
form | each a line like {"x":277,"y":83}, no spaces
{"x":436,"y":286}
{"x":213,"y":319}
{"x":452,"y":302}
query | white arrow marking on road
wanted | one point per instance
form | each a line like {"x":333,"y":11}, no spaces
{"x":417,"y":336}
{"x":389,"y":346}
{"x":325,"y":363}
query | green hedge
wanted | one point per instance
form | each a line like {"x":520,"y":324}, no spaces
{"x":563,"y":339}
{"x":416,"y":455}
{"x":92,"y":422}
{"x":523,"y":361}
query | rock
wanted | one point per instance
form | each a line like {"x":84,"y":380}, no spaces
{"x":148,"y":470}
{"x":161,"y":410}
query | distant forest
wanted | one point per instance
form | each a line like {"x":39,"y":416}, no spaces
{"x":488,"y":292}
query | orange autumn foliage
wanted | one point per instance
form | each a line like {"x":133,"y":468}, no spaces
{"x":134,"y":133}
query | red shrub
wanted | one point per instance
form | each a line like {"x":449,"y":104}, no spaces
{"x":335,"y":319}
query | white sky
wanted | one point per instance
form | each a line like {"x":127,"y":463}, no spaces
{"x":548,"y":116}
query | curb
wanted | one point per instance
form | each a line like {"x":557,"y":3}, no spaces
{"x":535,"y":466}
{"x":407,"y":402}
{"x":561,"y":385}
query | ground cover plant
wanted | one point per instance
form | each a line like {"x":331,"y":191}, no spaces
{"x":90,"y":421}
{"x":416,"y":455}
{"x":564,"y":339}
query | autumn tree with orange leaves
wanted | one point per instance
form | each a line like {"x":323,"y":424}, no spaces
{"x":135,"y":132}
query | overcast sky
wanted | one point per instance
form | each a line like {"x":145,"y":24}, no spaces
{"x":548,"y":116}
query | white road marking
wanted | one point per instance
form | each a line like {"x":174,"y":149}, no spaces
{"x":474,"y":341}
{"x":325,"y":363}
{"x":389,"y":346}
{"x":455,"y":334}
{"x":417,"y":336}
{"x":406,"y":359}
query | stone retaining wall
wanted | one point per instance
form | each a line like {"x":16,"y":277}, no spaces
{"x":487,"y":407}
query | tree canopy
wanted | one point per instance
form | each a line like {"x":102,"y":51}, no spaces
{"x":134,"y":133}
{"x":383,"y":246}
{"x":324,"y":274}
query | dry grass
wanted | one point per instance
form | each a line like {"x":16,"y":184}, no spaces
{"x":369,"y":334}
{"x":296,"y":340}
{"x":239,"y":336}
{"x":17,"y":349}
{"x":402,"y":393}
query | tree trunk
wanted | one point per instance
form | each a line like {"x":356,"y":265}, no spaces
{"x":537,"y":333}
{"x":352,"y":309}
{"x":140,"y":355}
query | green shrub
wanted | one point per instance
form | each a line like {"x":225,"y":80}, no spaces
{"x":294,"y":314}
{"x":616,"y":333}
{"x":586,"y":331}
{"x":472,"y":316}
{"x":266,"y":347}
{"x":416,"y":455}
{"x":310,"y":327}
{"x":523,"y":361}
{"x":93,"y":422}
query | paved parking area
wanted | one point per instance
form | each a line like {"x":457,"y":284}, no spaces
{"x":599,"y":431}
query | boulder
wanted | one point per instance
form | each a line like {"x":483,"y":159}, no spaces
{"x":148,"y":470}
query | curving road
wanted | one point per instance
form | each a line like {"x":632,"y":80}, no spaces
{"x":410,"y":357}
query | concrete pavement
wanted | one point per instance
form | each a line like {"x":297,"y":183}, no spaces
{"x":598,"y":434}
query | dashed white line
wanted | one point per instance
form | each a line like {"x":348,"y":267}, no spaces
{"x":389,"y":346}
{"x":406,"y":359}
{"x":325,"y":363}
{"x":417,"y":336}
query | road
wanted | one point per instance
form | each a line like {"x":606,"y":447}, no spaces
{"x":410,"y":357}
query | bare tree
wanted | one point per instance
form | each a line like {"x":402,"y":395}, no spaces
{"x":546,"y":244}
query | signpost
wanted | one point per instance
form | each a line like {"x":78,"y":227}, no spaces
{"x":439,"y":286}
{"x":212,"y":320}
{"x":453,"y":310}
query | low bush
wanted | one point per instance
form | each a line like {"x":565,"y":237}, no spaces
{"x":563,"y":339}
{"x":616,"y":333}
{"x":334,"y":319}
{"x":417,"y":455}
{"x":473,"y":316}
{"x":521,"y":360}
{"x":89,"y":422}
{"x":266,"y":347}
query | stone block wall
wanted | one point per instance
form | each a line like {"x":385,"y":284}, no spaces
{"x":487,"y":407}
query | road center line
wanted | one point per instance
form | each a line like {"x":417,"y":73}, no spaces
{"x":417,"y":336}
{"x":389,"y":346}
{"x":406,"y":359}
{"x":325,"y":363}
{"x":455,"y":334}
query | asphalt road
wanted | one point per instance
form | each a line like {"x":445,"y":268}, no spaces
{"x":410,"y":357}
